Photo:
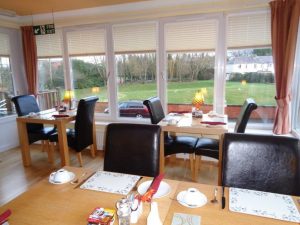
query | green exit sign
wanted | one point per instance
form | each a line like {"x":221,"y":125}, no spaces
{"x":44,"y":29}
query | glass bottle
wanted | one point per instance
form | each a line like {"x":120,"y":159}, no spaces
{"x":124,"y":211}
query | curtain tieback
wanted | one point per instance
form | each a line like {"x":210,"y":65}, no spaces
{"x":282,"y":102}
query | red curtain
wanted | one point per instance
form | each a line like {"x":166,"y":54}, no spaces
{"x":284,"y":26}
{"x":30,"y":58}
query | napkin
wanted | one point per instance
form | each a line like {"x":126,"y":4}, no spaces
{"x":4,"y":216}
{"x":213,"y":123}
{"x":152,"y":188}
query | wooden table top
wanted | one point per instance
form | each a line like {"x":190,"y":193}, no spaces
{"x":46,"y":203}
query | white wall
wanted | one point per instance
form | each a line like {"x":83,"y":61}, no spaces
{"x":9,"y":135}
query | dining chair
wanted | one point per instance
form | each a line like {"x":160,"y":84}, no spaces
{"x":261,"y":162}
{"x":209,"y":147}
{"x":24,"y":105}
{"x":82,"y":135}
{"x":173,"y":144}
{"x":132,"y":149}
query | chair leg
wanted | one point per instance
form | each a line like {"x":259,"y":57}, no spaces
{"x":43,"y":145}
{"x":192,"y":165}
{"x":79,"y":156}
{"x":50,"y":152}
{"x":196,"y":168}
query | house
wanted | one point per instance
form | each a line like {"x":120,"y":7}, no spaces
{"x":143,"y":43}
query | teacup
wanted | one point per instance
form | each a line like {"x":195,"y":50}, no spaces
{"x":60,"y":176}
{"x":192,"y":197}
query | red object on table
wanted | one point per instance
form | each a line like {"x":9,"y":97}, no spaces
{"x":60,"y":115}
{"x":4,"y":216}
{"x":213,"y":123}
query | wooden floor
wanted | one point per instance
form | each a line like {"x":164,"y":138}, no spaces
{"x":15,"y":179}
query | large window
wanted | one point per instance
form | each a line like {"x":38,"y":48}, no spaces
{"x":190,"y":47}
{"x":249,"y":69}
{"x":86,"y":48}
{"x":6,"y":82}
{"x":135,"y":60}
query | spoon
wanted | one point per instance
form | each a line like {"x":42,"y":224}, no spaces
{"x":77,"y":180}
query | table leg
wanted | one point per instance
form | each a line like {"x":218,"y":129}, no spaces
{"x":162,"y":153}
{"x":94,"y":145}
{"x":24,"y":144}
{"x":63,"y":144}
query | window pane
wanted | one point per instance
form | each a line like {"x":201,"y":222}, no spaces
{"x":88,"y":64}
{"x":6,"y":86}
{"x":135,"y":59}
{"x":191,"y":58}
{"x":250,"y":74}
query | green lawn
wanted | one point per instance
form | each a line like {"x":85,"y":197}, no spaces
{"x":184,"y":92}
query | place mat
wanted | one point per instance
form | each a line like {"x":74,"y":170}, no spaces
{"x":185,"y":219}
{"x":265,"y":204}
{"x":117,"y":183}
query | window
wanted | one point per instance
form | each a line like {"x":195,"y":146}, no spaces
{"x":249,"y":69}
{"x":86,"y":48}
{"x":135,"y":60}
{"x":6,"y":82}
{"x":51,"y":83}
{"x":190,"y":47}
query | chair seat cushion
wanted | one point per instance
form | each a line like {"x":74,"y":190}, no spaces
{"x":207,"y":147}
{"x":179,"y":144}
{"x":41,"y":134}
{"x":71,"y":139}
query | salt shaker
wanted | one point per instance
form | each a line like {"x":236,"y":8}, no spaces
{"x":124,"y":211}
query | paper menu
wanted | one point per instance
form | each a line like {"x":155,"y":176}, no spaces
{"x":265,"y":204}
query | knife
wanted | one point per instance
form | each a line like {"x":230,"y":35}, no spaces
{"x":223,"y":198}
{"x":78,"y":185}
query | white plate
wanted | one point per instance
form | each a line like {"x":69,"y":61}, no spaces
{"x":72,"y":176}
{"x":163,"y":190}
{"x":201,"y":201}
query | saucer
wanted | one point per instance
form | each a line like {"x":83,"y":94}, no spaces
{"x":201,"y":200}
{"x":163,"y":190}
{"x":72,"y":176}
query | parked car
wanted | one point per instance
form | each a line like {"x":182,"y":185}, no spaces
{"x":132,"y":108}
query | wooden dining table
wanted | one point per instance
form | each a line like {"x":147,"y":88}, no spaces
{"x":187,"y":124}
{"x":68,"y":204}
{"x":46,"y":117}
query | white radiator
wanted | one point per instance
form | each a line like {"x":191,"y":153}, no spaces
{"x":100,"y":137}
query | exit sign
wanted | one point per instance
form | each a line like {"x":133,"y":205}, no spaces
{"x":44,"y":29}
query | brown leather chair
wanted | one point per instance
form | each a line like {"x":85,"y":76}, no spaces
{"x":82,"y":136}
{"x":173,"y":144}
{"x":210,"y":147}
{"x":261,"y":162}
{"x":132,"y":149}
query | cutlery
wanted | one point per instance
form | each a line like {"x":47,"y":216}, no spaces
{"x":77,"y":180}
{"x":214,"y":200}
{"x":223,"y":198}
{"x":84,"y":180}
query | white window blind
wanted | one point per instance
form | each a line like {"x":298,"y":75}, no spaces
{"x":252,"y":30}
{"x":191,"y":36}
{"x":130,"y":38}
{"x":49,"y":45}
{"x":86,"y":42}
{"x":4,"y":44}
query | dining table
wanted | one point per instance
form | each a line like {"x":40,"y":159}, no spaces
{"x":186,"y":123}
{"x":68,"y":204}
{"x":47,"y":117}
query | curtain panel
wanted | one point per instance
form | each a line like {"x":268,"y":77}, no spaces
{"x":30,"y":58}
{"x":284,"y":29}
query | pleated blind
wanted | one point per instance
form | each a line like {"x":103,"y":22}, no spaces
{"x":4,"y":45}
{"x":134,"y":37}
{"x":252,"y":30}
{"x":86,"y":42}
{"x":49,"y":45}
{"x":191,"y":36}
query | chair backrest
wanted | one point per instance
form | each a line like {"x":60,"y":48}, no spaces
{"x":246,"y":110}
{"x":24,"y":105}
{"x":132,"y":149}
{"x":155,"y":109}
{"x":84,"y":123}
{"x":261,"y":162}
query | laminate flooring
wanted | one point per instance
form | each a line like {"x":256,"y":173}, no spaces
{"x":16,"y":179}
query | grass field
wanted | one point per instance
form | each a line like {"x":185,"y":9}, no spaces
{"x":183,"y":92}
